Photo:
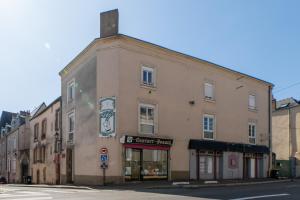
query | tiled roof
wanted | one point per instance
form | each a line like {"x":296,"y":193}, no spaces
{"x":286,"y":103}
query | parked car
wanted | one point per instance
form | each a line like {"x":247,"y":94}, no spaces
{"x":3,"y":180}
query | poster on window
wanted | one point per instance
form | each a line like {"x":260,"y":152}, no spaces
{"x":107,"y":117}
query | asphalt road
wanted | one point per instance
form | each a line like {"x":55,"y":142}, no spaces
{"x":276,"y":191}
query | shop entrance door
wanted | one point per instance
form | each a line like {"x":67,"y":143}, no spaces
{"x":136,"y":164}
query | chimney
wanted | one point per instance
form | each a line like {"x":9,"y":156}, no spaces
{"x":109,"y":23}
{"x":274,"y":104}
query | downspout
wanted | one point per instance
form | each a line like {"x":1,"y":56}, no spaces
{"x":270,"y":129}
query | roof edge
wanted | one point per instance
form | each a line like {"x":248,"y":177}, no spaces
{"x":166,"y":49}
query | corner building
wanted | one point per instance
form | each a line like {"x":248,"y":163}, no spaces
{"x":161,"y":114}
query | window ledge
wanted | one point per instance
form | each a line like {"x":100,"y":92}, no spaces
{"x":252,"y":110}
{"x":209,"y":100}
{"x":148,"y":86}
{"x":147,"y":134}
{"x":208,"y":138}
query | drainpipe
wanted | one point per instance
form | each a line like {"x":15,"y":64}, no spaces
{"x":270,"y":129}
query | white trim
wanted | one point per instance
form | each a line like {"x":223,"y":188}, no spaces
{"x":154,"y":107}
{"x":69,"y":83}
{"x":212,"y":87}
{"x":251,"y":107}
{"x":149,"y":69}
{"x":72,"y":112}
{"x":252,"y":124}
{"x":214,"y":126}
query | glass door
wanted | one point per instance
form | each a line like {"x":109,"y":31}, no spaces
{"x":133,"y":164}
{"x":136,"y":164}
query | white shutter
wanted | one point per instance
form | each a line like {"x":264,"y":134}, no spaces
{"x":252,"y":102}
{"x":208,"y":90}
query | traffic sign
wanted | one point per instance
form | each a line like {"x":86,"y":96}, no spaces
{"x":104,"y":166}
{"x":103,"y":151}
{"x":104,"y":158}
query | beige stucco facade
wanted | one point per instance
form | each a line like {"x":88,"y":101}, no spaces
{"x":111,"y":67}
{"x":286,"y":134}
{"x":44,"y":155}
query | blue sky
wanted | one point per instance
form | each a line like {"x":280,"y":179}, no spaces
{"x":39,"y":37}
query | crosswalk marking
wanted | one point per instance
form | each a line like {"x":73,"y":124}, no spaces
{"x":34,"y":198}
{"x":26,"y":195}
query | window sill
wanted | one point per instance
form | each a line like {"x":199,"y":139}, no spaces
{"x":151,"y":87}
{"x":147,"y":134}
{"x":209,"y":100}
{"x":252,"y":110}
{"x":208,"y":138}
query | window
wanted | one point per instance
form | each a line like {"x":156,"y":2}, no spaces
{"x":43,"y":154}
{"x":36,"y":132}
{"x":252,"y":103}
{"x":35,"y":155}
{"x":71,"y":92}
{"x":44,"y":129}
{"x":71,"y":126}
{"x":208,"y":126}
{"x":57,"y":119}
{"x":147,"y":76}
{"x":209,"y":91}
{"x":252,"y":133}
{"x":146,"y":119}
{"x":206,"y":164}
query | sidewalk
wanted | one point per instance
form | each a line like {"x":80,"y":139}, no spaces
{"x":161,"y":184}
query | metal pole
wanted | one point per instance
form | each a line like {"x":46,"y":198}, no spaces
{"x":103,"y":174}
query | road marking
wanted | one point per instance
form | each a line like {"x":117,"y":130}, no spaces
{"x":34,"y":198}
{"x":263,"y":196}
{"x":25,"y":195}
{"x":58,"y":191}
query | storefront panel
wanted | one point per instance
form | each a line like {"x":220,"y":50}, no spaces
{"x":146,"y":158}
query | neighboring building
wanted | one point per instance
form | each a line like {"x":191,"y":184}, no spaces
{"x":161,"y":114}
{"x":5,"y":128}
{"x":45,"y":144}
{"x":286,"y":135}
{"x":16,"y":141}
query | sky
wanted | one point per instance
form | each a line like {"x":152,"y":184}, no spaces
{"x":38,"y":38}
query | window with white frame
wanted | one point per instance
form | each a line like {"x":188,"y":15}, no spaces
{"x":208,"y":126}
{"x":71,"y":91}
{"x":71,"y":126}
{"x":252,"y":133}
{"x":209,"y":91}
{"x":252,"y":102}
{"x":146,"y":114}
{"x":147,"y":76}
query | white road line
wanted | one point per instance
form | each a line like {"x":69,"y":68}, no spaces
{"x":34,"y":198}
{"x":263,"y":196}
{"x":58,"y":191}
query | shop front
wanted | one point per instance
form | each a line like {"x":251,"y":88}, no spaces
{"x":211,"y":160}
{"x":146,"y":158}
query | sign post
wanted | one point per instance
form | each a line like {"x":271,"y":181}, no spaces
{"x":104,"y":162}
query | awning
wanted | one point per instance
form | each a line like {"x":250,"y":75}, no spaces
{"x":226,"y":146}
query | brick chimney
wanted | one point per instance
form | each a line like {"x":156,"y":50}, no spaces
{"x":109,"y":23}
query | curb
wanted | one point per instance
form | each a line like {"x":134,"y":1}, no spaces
{"x":52,"y":186}
{"x":217,"y":185}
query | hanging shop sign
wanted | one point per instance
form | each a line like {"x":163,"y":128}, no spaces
{"x":148,"y":141}
{"x":107,"y":117}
